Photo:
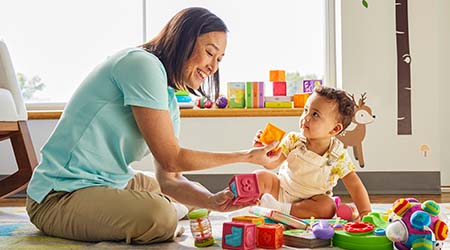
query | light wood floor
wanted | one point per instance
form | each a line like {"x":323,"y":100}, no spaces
{"x":382,"y":198}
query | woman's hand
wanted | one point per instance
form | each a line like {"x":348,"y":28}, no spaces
{"x":223,"y":201}
{"x":265,"y":155}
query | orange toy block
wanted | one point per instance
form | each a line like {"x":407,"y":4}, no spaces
{"x":269,"y":236}
{"x":277,"y":76}
{"x":271,"y":133}
{"x":300,"y":99}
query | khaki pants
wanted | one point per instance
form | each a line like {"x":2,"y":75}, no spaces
{"x":138,"y":214}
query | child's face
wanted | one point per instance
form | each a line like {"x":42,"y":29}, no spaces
{"x":320,"y":118}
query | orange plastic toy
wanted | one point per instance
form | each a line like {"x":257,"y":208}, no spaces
{"x":271,"y":133}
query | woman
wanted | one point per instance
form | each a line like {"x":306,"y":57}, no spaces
{"x":84,"y":188}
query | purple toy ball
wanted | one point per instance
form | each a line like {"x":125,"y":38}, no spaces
{"x":222,"y":102}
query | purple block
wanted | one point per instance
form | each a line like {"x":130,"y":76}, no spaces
{"x":309,"y":85}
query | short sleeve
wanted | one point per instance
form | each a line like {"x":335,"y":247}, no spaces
{"x":289,"y":142}
{"x":142,"y":79}
{"x":344,"y":165}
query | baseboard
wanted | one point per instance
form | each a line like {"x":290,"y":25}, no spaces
{"x":375,"y":182}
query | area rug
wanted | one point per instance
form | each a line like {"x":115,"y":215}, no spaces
{"x":16,"y":232}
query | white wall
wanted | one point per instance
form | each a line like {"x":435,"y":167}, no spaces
{"x":213,"y":134}
{"x":443,"y":44}
{"x":368,"y":65}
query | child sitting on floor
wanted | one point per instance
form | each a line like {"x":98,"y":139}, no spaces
{"x":313,"y":161}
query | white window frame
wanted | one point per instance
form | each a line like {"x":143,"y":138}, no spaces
{"x":330,"y":52}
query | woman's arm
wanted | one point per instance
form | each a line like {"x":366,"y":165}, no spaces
{"x":189,"y":193}
{"x":157,"y":129}
{"x":358,"y":192}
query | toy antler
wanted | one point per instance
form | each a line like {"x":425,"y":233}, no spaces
{"x":362,"y":100}
{"x":353,"y":99}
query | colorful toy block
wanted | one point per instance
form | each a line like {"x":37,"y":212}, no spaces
{"x":245,"y":188}
{"x":254,"y":95}
{"x":271,"y":133}
{"x":269,"y":236}
{"x":236,"y":94}
{"x":300,"y":99}
{"x":279,"y":88}
{"x":309,"y":85}
{"x":277,"y":76}
{"x":249,"y":219}
{"x":275,"y":105}
{"x":238,"y":235}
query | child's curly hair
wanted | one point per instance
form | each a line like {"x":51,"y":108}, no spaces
{"x":346,"y":106}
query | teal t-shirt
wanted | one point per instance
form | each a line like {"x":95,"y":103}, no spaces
{"x":97,"y":137}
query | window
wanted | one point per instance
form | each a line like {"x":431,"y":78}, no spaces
{"x":57,"y":43}
{"x":264,"y":35}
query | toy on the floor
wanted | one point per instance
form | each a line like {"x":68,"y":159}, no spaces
{"x":245,"y":188}
{"x":416,"y":225}
{"x":269,"y":236}
{"x":222,"y":102}
{"x":367,"y":235}
{"x":323,"y":230}
{"x":257,"y":220}
{"x":201,"y":227}
{"x":278,"y":216}
{"x":238,"y":235}
{"x":303,"y":239}
{"x":345,"y":211}
{"x":203,"y":102}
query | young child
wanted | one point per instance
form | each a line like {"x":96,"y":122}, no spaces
{"x":313,"y":161}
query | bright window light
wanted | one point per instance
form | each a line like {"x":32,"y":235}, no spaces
{"x":55,"y":44}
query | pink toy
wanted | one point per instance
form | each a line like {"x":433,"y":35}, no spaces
{"x":279,"y":88}
{"x":346,"y":212}
{"x":238,"y":235}
{"x":245,"y":188}
{"x":417,"y":225}
{"x":269,"y":236}
{"x":203,"y":102}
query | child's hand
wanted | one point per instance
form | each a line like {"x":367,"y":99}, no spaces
{"x":256,"y":140}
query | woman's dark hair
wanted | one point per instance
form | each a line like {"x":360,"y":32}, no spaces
{"x":345,"y":104}
{"x":176,"y":41}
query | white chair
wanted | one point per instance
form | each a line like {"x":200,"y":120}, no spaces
{"x":13,"y":126}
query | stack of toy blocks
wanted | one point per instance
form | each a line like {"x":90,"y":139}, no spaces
{"x":238,"y":235}
{"x":254,"y":95}
{"x":269,"y":236}
{"x":245,"y":188}
{"x":304,"y":92}
{"x":279,"y":98}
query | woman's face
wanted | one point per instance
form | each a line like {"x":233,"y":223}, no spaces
{"x":208,"y":51}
